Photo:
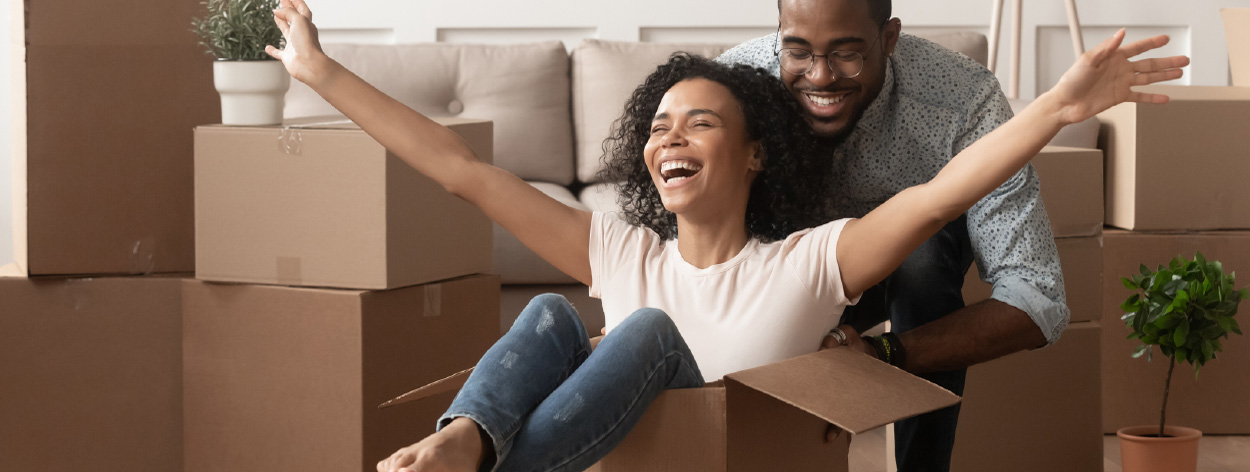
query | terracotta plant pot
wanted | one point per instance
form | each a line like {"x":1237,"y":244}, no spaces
{"x":1140,"y":453}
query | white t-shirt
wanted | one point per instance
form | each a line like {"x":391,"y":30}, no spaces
{"x":769,"y":303}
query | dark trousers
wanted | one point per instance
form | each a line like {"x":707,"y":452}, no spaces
{"x":926,"y":287}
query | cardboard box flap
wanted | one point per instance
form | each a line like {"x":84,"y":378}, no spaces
{"x":447,"y":384}
{"x":847,"y":388}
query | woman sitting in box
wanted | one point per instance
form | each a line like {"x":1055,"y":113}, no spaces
{"x":719,"y":184}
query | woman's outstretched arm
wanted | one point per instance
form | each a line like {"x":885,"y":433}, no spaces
{"x":872,"y":247}
{"x":554,"y":231}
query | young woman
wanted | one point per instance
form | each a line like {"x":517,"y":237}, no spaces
{"x":717,"y":182}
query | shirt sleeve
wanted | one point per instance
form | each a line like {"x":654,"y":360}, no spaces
{"x":613,"y":244}
{"x":813,"y":254}
{"x":1013,"y":244}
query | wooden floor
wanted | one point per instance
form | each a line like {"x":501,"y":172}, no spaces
{"x":1215,"y":453}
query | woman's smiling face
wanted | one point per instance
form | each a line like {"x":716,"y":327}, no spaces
{"x":699,"y":154}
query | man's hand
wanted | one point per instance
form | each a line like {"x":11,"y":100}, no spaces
{"x":853,"y":341}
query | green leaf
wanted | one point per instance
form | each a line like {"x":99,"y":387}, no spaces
{"x":1131,"y":304}
{"x":1128,"y":283}
{"x":1232,"y":325}
{"x":1150,"y":339}
{"x":1182,"y":332}
{"x":1180,"y":355}
{"x":1145,"y":271}
{"x":1140,"y":350}
{"x":1208,"y":351}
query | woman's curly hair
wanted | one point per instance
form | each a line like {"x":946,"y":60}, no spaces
{"x":788,"y":195}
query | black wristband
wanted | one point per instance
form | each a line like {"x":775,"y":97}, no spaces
{"x":897,"y":355}
{"x":883,"y":355}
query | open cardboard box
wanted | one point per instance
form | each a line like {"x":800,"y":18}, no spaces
{"x":317,"y":202}
{"x":772,"y":417}
{"x":1237,"y":31}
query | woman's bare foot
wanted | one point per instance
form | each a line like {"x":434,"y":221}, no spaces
{"x":456,"y":448}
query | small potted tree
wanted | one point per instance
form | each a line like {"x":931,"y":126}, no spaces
{"x":1185,"y":309}
{"x":252,"y":84}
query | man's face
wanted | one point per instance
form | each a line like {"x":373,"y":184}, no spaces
{"x":833,"y":104}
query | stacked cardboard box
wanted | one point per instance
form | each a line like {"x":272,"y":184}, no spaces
{"x":371,"y":284}
{"x":1050,"y":398}
{"x":1176,"y":181}
{"x":103,"y":98}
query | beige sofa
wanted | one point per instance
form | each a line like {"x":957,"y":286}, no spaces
{"x":552,"y":110}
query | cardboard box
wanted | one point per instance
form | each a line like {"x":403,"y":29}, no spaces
{"x":101,"y":152}
{"x":1037,"y":410}
{"x":320,"y":203}
{"x":767,"y":418}
{"x":1215,"y":402}
{"x":1237,"y":31}
{"x":281,"y":378}
{"x":1081,"y":261}
{"x":91,"y":366}
{"x":1071,"y":189}
{"x":1179,"y":166}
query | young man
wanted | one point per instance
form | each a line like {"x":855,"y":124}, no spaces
{"x":901,"y":107}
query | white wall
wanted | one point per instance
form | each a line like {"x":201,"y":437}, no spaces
{"x":1194,"y":24}
{"x":6,"y":168}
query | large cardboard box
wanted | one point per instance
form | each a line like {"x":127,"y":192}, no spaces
{"x":1036,"y":410}
{"x":280,"y":378}
{"x":320,"y":203}
{"x":767,"y":418}
{"x":1081,"y":260}
{"x":1237,"y":31}
{"x":90,"y":374}
{"x":103,"y":102}
{"x":1179,"y":166}
{"x":1071,"y":189}
{"x":1214,"y":402}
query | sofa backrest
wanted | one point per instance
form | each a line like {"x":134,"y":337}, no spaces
{"x":523,"y":88}
{"x":605,"y":73}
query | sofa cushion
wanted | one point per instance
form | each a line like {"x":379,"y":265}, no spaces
{"x":973,"y":45}
{"x":517,"y":264}
{"x":600,"y":197}
{"x":523,"y":88}
{"x":605,"y":73}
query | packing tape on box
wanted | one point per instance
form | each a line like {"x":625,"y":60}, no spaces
{"x":433,"y":300}
{"x":289,"y":270}
{"x":77,"y":292}
{"x":143,"y":256}
{"x":291,"y":141}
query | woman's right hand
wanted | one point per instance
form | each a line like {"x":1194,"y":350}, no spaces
{"x":302,"y":55}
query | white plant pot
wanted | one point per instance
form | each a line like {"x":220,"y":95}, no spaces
{"x":252,"y":92}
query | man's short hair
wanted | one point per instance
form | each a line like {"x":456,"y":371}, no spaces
{"x":878,"y":10}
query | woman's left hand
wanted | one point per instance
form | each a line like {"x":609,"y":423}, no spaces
{"x":1102,"y":77}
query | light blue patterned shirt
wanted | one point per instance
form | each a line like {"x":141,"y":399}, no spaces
{"x":934,"y":103}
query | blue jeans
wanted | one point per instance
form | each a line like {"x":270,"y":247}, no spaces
{"x":927,"y":286}
{"x":549,"y":404}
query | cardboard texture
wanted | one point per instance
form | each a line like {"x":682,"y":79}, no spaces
{"x":1071,"y":189}
{"x":101,"y":154}
{"x":1237,"y":31}
{"x":281,"y":378}
{"x":1133,"y":388}
{"x":93,"y":366}
{"x":319,"y":203}
{"x":1081,"y":260}
{"x":1197,"y":142}
{"x":1036,"y":410}
{"x":763,"y":418}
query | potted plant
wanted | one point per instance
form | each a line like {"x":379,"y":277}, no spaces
{"x":1185,"y":309}
{"x":252,"y":84}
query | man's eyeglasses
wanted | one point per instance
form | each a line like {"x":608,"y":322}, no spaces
{"x":799,"y":61}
